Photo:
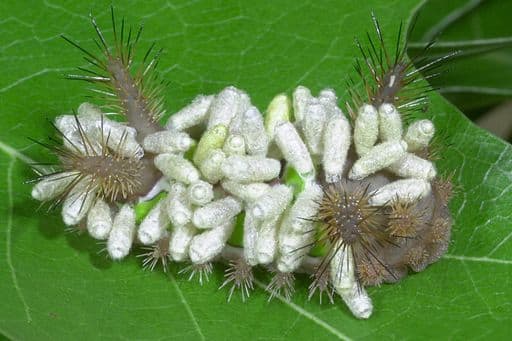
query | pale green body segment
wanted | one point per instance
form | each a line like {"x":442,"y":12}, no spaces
{"x":212,"y":139}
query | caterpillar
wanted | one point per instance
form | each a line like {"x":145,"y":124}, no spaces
{"x":352,"y":200}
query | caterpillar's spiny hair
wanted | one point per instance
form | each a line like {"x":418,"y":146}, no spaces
{"x":135,"y":92}
{"x":444,"y":188}
{"x":282,"y":284}
{"x":78,"y":229}
{"x":240,"y":276}
{"x":103,"y":172}
{"x":438,"y":144}
{"x":404,"y":218}
{"x":389,"y":76}
{"x":417,"y":258}
{"x":351,"y":224}
{"x":321,"y":283}
{"x":201,"y":271}
{"x":158,"y":252}
{"x":362,"y":236}
{"x":440,"y":230}
{"x":370,"y":272}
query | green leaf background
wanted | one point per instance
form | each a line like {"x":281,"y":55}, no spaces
{"x":480,"y":76}
{"x":56,"y":286}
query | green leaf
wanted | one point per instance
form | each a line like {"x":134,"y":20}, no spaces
{"x":56,"y":286}
{"x":480,"y":76}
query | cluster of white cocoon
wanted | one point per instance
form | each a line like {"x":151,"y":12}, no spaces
{"x":236,"y":167}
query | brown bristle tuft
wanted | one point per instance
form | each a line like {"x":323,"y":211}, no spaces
{"x":438,"y":238}
{"x":202,"y":271}
{"x":370,"y":273}
{"x":105,"y":172}
{"x":404,"y":219}
{"x":417,"y":258}
{"x":389,"y":76}
{"x":349,"y":222}
{"x":282,"y":284}
{"x":239,"y":274}
{"x":440,"y":231}
{"x":158,"y":252}
{"x":443,"y":188}
{"x":321,"y":283}
{"x":136,"y":92}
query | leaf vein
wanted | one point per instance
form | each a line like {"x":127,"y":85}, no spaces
{"x":8,"y":239}
{"x":478,"y":259}
{"x":308,"y":315}
{"x":187,"y":307}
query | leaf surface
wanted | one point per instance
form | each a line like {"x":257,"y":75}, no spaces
{"x":55,"y":285}
{"x":479,"y":77}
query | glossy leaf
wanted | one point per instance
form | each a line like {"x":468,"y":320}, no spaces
{"x":480,"y":76}
{"x":55,"y":285}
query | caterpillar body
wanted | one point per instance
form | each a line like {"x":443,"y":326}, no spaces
{"x":351,"y":200}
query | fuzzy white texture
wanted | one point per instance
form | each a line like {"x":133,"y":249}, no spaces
{"x":119,"y":137}
{"x":99,"y":220}
{"x":121,"y":236}
{"x":224,"y":107}
{"x":212,"y":139}
{"x":302,"y":213}
{"x":205,"y":246}
{"x":336,"y":141}
{"x":216,"y":213}
{"x":191,"y":115}
{"x":366,"y":129}
{"x":251,"y":226}
{"x":419,"y":134}
{"x":329,"y":100}
{"x":407,"y":190}
{"x":253,"y":131}
{"x":250,"y":168}
{"x":234,"y":145}
{"x":78,"y":202}
{"x":412,"y":166}
{"x":301,"y":98}
{"x":244,"y":103}
{"x":292,"y":249}
{"x":211,"y":166}
{"x":342,"y":273}
{"x":68,"y":125}
{"x":313,"y":125}
{"x":52,"y":186}
{"x":235,"y":126}
{"x":244,"y":152}
{"x":278,"y":111}
{"x":177,"y":205}
{"x":377,"y":158}
{"x":154,"y":225}
{"x":176,"y":167}
{"x":390,"y":123}
{"x":247,"y":192}
{"x":296,"y":232}
{"x":115,"y":135}
{"x":266,"y":245}
{"x":200,"y":193}
{"x":272,"y":203}
{"x":293,"y":149}
{"x":181,"y":236}
{"x":89,"y":110}
{"x":167,"y":141}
